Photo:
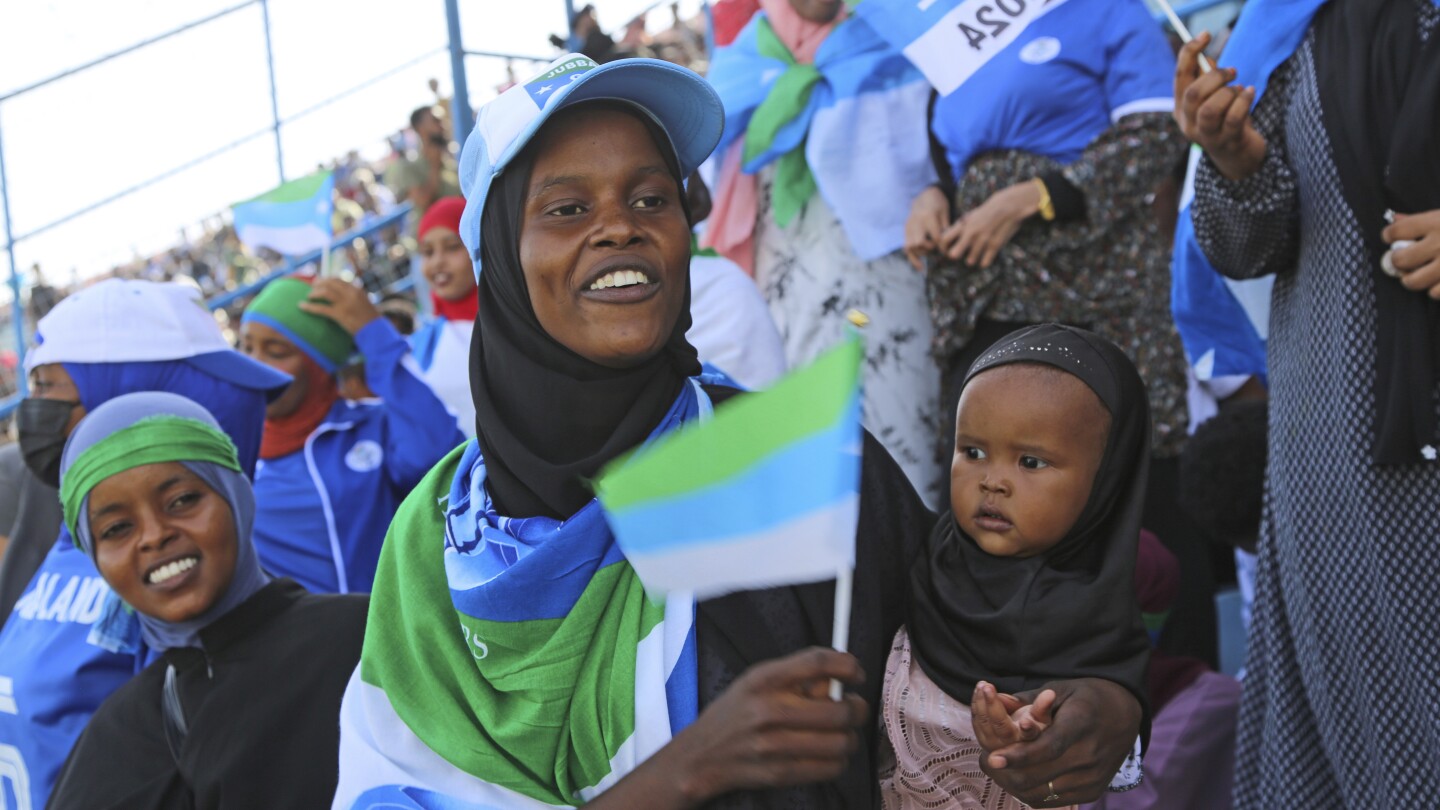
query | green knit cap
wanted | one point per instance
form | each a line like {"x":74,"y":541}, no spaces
{"x":278,"y":307}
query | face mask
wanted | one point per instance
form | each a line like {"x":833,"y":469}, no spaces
{"x":43,"y":424}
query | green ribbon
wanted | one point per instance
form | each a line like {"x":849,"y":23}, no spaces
{"x":788,"y":98}
{"x":697,"y":251}
{"x":152,"y":440}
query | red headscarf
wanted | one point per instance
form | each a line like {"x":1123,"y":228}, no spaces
{"x":287,"y":434}
{"x":445,"y":213}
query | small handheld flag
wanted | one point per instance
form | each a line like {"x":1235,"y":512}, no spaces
{"x":292,"y":219}
{"x":764,"y":494}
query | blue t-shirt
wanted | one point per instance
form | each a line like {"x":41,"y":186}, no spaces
{"x":51,"y":680}
{"x":1065,"y":79}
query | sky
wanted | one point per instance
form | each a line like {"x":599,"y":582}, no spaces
{"x":87,"y":137}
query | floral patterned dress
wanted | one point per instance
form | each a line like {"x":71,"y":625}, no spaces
{"x":811,"y":279}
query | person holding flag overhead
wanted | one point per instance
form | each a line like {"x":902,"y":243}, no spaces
{"x":333,"y":470}
{"x":512,"y":657}
{"x":1322,"y":168}
{"x":822,"y":152}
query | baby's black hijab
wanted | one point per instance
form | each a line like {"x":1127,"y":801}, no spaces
{"x":1072,"y":611}
{"x":545,"y":417}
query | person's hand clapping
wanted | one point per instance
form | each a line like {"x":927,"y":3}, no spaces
{"x":929,"y":217}
{"x":1419,"y":262}
{"x":775,"y":726}
{"x":1216,"y":115}
{"x":1093,"y":725}
{"x":342,"y":302}
{"x":977,"y":237}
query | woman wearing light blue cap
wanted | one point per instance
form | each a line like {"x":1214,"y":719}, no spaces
{"x":511,"y":656}
{"x":238,"y":710}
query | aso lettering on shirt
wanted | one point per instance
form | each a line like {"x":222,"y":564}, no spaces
{"x":63,"y":598}
{"x":969,"y":36}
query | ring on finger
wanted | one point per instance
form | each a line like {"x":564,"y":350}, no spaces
{"x":1053,"y":797}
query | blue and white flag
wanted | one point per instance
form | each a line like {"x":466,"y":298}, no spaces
{"x":293,"y":219}
{"x":1223,"y":323}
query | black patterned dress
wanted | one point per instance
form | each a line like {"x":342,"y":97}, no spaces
{"x":1108,"y":271}
{"x":1345,"y":634}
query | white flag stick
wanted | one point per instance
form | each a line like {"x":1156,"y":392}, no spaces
{"x":1179,"y":26}
{"x":325,"y":260}
{"x":840,"y":635}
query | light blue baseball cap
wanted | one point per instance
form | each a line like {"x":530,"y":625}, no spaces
{"x":682,"y":103}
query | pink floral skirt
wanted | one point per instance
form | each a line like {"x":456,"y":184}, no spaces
{"x":929,"y":757}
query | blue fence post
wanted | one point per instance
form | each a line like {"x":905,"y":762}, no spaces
{"x":274,"y":99}
{"x":460,"y":98}
{"x":17,"y":309}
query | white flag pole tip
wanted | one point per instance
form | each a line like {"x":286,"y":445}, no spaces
{"x":840,"y":635}
{"x":1179,"y":26}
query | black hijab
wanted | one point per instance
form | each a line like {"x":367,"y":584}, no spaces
{"x":546,"y":417}
{"x":1380,"y":93}
{"x":1070,"y":612}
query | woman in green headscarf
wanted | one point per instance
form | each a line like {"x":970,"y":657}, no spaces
{"x":239,"y":708}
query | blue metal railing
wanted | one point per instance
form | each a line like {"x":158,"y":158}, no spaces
{"x":367,"y":227}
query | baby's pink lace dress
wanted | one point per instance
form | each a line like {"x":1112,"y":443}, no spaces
{"x":929,"y":757}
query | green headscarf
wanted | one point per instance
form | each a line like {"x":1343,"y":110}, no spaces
{"x":278,"y":307}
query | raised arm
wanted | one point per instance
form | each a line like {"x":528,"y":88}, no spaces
{"x":1246,"y":207}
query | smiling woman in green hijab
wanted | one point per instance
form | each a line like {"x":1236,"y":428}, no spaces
{"x":238,"y":710}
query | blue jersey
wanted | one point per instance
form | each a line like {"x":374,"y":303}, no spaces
{"x":322,"y":511}
{"x":51,"y":679}
{"x":1067,"y":78}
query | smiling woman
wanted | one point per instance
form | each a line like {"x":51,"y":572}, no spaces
{"x":153,"y":492}
{"x":513,"y":657}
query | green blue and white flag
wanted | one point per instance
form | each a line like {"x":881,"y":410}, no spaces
{"x":766,"y":493}
{"x":293,"y":219}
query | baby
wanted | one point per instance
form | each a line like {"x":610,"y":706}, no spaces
{"x":1028,"y":578}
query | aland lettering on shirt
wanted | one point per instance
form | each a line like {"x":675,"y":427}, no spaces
{"x":969,"y":36}
{"x":62,"y":598}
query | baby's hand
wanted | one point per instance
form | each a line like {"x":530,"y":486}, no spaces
{"x":1001,"y":720}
